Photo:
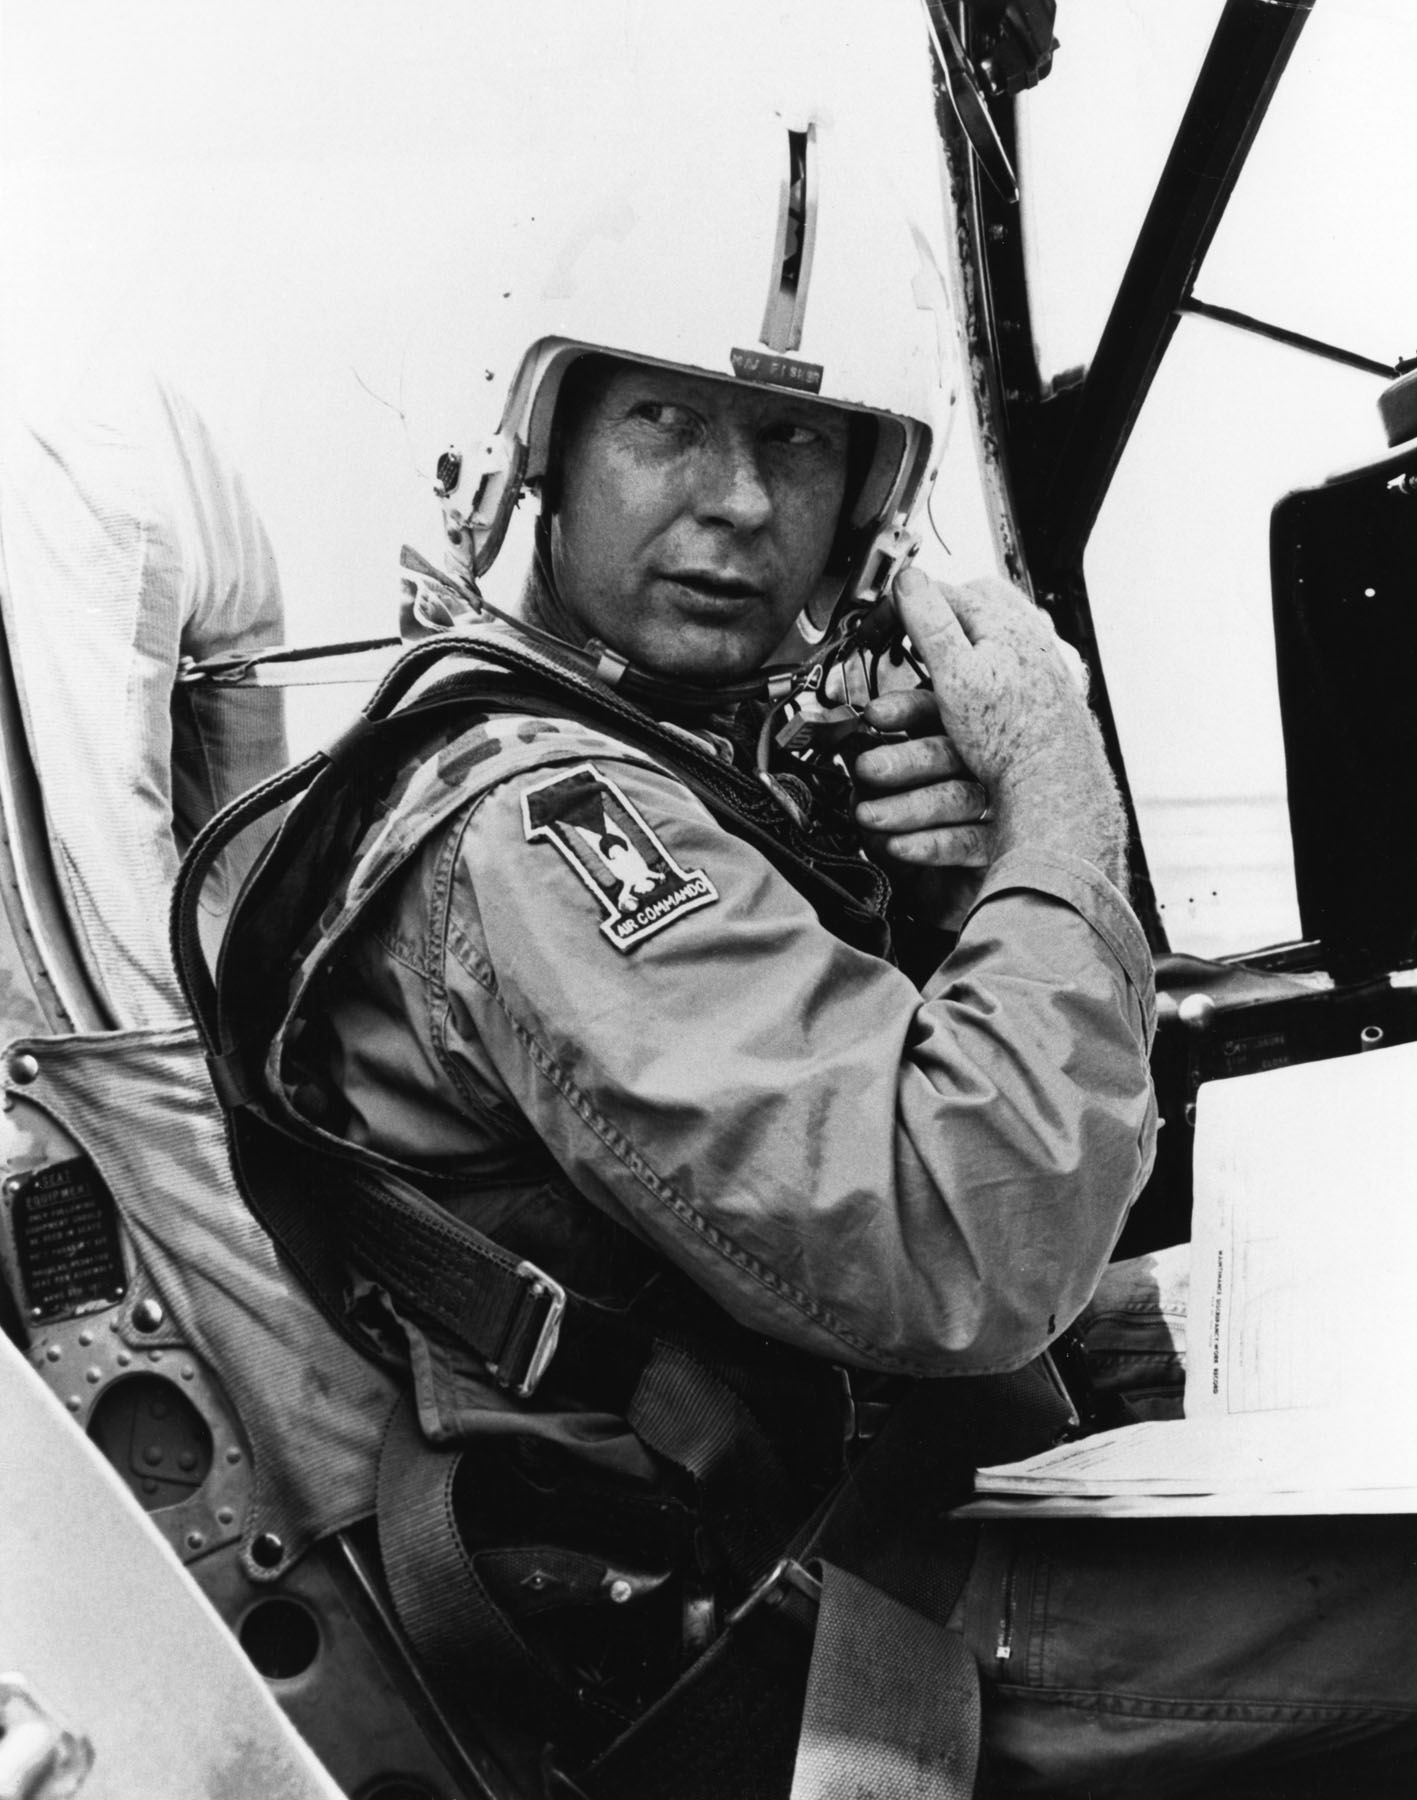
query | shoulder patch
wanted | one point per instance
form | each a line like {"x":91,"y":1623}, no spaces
{"x":615,"y":852}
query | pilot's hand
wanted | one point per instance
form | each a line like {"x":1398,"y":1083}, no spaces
{"x":1012,"y":709}
{"x":920,"y":808}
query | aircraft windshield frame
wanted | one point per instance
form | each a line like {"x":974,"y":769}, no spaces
{"x":1160,"y":546}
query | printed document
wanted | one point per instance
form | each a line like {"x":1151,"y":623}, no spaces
{"x":1301,"y":1326}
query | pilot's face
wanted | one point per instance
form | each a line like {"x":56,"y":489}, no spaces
{"x":694,"y":517}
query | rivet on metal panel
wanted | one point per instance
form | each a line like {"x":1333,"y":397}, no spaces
{"x":22,"y":1068}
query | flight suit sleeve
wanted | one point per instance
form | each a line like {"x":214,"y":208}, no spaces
{"x":928,"y":1183}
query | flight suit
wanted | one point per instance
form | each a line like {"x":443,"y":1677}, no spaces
{"x":585,"y":1015}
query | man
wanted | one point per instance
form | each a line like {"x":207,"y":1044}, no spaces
{"x":573,"y":999}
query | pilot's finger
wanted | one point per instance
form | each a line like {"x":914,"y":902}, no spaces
{"x":909,"y":763}
{"x":922,"y":808}
{"x":927,"y":611}
{"x":943,"y":847}
{"x":912,"y":710}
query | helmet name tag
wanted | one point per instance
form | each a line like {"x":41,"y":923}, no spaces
{"x":777,"y":371}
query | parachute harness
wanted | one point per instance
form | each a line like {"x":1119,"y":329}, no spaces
{"x":814,"y":716}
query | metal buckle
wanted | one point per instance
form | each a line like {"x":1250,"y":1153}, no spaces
{"x":787,"y":1587}
{"x":542,"y":1290}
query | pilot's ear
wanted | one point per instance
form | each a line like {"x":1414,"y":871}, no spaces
{"x":815,"y":616}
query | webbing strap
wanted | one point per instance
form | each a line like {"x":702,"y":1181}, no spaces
{"x":684,"y":1413}
{"x":730,"y":1724}
{"x":462,"y":1633}
{"x":892,"y":1707}
{"x":504,"y":1309}
{"x":449,"y":1274}
{"x":470,"y":1650}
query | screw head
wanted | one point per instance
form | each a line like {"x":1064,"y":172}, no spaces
{"x":22,"y":1068}
{"x":620,"y":1591}
{"x":148,"y":1315}
{"x":267,"y":1551}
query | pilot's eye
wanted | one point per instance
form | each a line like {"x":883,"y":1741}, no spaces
{"x":662,"y":412}
{"x":796,"y":436}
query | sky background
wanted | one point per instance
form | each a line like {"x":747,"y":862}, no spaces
{"x":318,"y":219}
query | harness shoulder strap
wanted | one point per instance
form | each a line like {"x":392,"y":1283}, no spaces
{"x":300,"y":864}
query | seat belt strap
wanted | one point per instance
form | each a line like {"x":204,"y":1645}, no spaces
{"x":892,"y":1706}
{"x":469,"y":1648}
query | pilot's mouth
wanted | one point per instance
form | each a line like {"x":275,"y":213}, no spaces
{"x":715,"y":587}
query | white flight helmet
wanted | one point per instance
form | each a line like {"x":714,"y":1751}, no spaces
{"x":770,"y":254}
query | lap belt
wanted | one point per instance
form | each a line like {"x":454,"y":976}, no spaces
{"x":836,"y":1679}
{"x":888,"y":1704}
{"x":892,"y":1706}
{"x":519,"y":1319}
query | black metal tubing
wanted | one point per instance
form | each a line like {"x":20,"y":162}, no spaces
{"x":1001,"y":331}
{"x":1252,"y":43}
{"x":1280,"y":334}
{"x":1064,"y":450}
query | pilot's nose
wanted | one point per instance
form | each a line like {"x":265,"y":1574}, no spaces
{"x":729,"y":481}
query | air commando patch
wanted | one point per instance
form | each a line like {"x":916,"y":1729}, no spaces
{"x":615,"y":852}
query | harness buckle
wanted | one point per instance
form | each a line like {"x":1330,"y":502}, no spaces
{"x":532,"y":1335}
{"x":789,"y":1590}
